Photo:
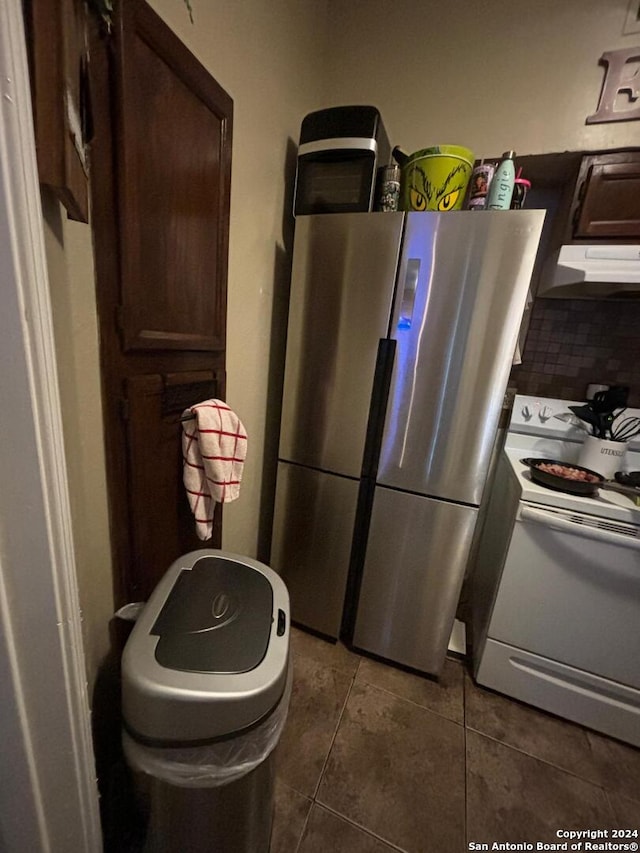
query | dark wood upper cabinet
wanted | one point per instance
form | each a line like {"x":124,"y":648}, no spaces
{"x":607,"y":203}
{"x":174,"y":176}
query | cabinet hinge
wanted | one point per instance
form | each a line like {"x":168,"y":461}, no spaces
{"x":124,"y":409}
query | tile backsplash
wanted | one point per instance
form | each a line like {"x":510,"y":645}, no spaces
{"x":574,"y":342}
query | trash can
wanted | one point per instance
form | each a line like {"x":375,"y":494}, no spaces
{"x":206,"y":681}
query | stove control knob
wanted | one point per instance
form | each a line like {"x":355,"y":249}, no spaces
{"x":526,"y":413}
{"x":545,"y":414}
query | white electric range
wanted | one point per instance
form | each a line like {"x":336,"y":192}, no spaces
{"x":556,"y":586}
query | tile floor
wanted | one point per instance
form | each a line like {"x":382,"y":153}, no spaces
{"x":374,"y":760}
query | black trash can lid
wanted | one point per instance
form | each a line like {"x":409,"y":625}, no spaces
{"x":217,"y":618}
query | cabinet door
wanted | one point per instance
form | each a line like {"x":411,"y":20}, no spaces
{"x":160,"y":520}
{"x":173,"y":129}
{"x":609,"y":197}
{"x":417,"y":553}
{"x":342,"y":282}
{"x":312,"y":533}
{"x":58,"y":58}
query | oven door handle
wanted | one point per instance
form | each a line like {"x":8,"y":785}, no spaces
{"x":549,"y":519}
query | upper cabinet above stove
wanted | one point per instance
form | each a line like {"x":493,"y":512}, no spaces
{"x":590,"y":196}
{"x":591,"y":239}
{"x":606,"y":204}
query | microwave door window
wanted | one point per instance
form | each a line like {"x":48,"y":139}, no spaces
{"x":335,"y":186}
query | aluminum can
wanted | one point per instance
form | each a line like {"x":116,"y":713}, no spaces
{"x":388,"y":189}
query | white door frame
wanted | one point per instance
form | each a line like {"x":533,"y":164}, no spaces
{"x":48,"y":794}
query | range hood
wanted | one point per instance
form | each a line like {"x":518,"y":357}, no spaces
{"x":592,"y":272}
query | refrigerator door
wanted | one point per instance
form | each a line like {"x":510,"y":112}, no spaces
{"x":343,"y":278}
{"x":462,"y":289}
{"x":312,"y":531}
{"x":414,"y":566}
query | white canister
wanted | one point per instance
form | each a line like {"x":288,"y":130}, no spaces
{"x":602,"y":456}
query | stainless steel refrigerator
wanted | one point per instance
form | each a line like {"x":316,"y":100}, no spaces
{"x":402,"y":329}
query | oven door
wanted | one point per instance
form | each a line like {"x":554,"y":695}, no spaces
{"x":570,"y":591}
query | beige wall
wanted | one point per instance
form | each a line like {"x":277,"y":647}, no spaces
{"x":490,"y":74}
{"x":71,"y":282}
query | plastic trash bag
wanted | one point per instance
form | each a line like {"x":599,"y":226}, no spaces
{"x":215,"y":764}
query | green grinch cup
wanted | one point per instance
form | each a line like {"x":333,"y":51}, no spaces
{"x":436,"y":178}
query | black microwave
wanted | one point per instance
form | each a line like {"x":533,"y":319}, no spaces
{"x":339,"y":154}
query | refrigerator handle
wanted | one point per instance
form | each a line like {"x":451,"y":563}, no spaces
{"x":378,"y":406}
{"x":409,"y":293}
{"x":373,"y":442}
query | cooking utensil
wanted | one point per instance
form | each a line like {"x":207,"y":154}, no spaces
{"x":570,"y":418}
{"x":563,"y":484}
{"x":613,"y":486}
{"x":606,"y":422}
{"x":586,"y":414}
{"x":618,"y":395}
{"x":627,"y":429}
{"x":624,"y":483}
{"x":599,"y":402}
{"x":617,"y":416}
{"x":628,"y":478}
{"x":603,"y":407}
{"x":600,"y":417}
{"x":607,"y":401}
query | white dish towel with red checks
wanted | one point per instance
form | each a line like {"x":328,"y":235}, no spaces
{"x":214,"y":447}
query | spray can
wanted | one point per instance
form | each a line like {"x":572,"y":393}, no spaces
{"x":501,"y":188}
